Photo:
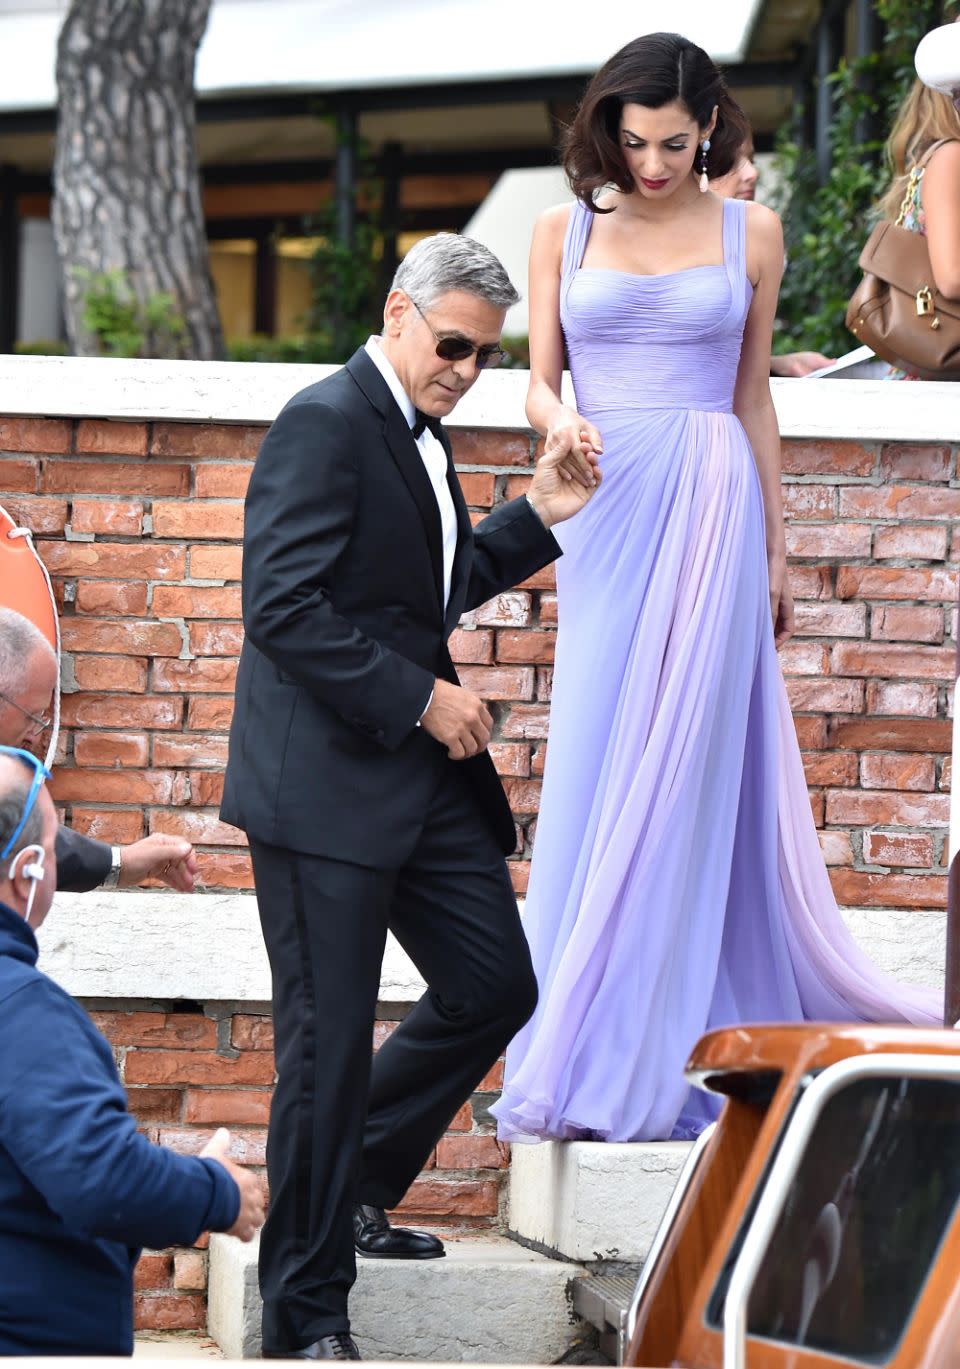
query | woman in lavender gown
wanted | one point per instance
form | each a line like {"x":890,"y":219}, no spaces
{"x":677,"y":880}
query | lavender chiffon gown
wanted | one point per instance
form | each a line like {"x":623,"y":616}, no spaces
{"x":677,"y":881}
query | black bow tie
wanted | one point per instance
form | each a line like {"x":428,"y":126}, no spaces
{"x":422,"y":421}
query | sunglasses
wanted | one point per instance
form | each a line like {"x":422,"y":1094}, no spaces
{"x":40,"y":773}
{"x":41,"y":721}
{"x":459,"y":348}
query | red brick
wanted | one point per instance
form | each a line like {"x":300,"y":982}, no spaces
{"x":898,"y":770}
{"x":117,"y":826}
{"x":910,"y":544}
{"x":526,"y":646}
{"x":512,"y":609}
{"x":153,"y":1269}
{"x":252,"y":1033}
{"x":185,"y":518}
{"x":127,"y":638}
{"x":128,"y":673}
{"x":471,"y":1152}
{"x":147,"y":479}
{"x":216,"y":563}
{"x":541,"y":579}
{"x":20,"y":477}
{"x":463,"y":1121}
{"x":190,"y":1270}
{"x":212,"y":714}
{"x":899,"y":501}
{"x":903,"y":461}
{"x":477,"y":488}
{"x":190,"y":749}
{"x":548,"y":609}
{"x":829,"y":539}
{"x":169,"y":1312}
{"x":451,"y":1198}
{"x":222,"y":481}
{"x":860,"y":889}
{"x":817,"y":807}
{"x":836,"y":848}
{"x":848,"y":807}
{"x":113,"y":597}
{"x":44,"y":517}
{"x":830,"y":768}
{"x":907,"y":623}
{"x":247,"y":1147}
{"x":510,"y":758}
{"x":220,"y":870}
{"x":825,"y":696}
{"x":498,"y":682}
{"x":889,"y":734}
{"x":826,"y":458}
{"x":893,"y":661}
{"x":95,"y":435}
{"x":197,"y":1067}
{"x":946,"y":774}
{"x":216,"y":639}
{"x":886,"y":582}
{"x":155,"y":1105}
{"x":382,"y":1031}
{"x":35,"y":435}
{"x":180,"y":1031}
{"x":110,"y":748}
{"x":912,"y":700}
{"x":192,"y":601}
{"x":526,"y":722}
{"x":113,"y":560}
{"x":205,"y":829}
{"x":811,"y":733}
{"x":809,"y":501}
{"x":811,"y":582}
{"x":111,"y":517}
{"x":208,"y":675}
{"x":114,"y":786}
{"x":117,"y":710}
{"x":518,"y":485}
{"x":898,"y":848}
{"x":492,"y":1081}
{"x":539,"y":760}
{"x":471,"y":646}
{"x":804,"y":658}
{"x":206,"y":788}
{"x":519,"y":872}
{"x":228,"y":1107}
{"x":829,"y":619}
{"x":523,"y":795}
{"x":482,"y":447}
{"x":228,"y":441}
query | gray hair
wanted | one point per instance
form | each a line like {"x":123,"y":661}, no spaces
{"x":447,"y":261}
{"x":20,"y":640}
{"x":12,"y":803}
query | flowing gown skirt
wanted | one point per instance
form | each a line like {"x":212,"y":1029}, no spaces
{"x":677,"y":882}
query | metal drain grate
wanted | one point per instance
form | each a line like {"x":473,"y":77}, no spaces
{"x":604,"y":1300}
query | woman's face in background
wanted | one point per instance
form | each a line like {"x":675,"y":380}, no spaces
{"x":741,"y":182}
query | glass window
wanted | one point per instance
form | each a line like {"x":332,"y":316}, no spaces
{"x":875,"y":1193}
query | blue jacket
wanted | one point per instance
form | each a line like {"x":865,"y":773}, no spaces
{"x":80,"y":1189}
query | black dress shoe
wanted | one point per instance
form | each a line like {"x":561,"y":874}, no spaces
{"x":337,"y":1346}
{"x":378,"y":1240}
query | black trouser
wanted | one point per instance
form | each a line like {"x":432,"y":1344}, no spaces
{"x":341,"y":1132}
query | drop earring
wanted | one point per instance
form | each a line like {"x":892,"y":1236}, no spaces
{"x":704,"y":180}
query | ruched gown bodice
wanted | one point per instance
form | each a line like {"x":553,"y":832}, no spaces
{"x":677,"y":881}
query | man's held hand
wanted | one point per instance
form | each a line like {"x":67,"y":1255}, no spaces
{"x":459,"y":720}
{"x":252,"y":1202}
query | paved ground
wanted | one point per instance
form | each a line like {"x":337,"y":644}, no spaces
{"x":175,"y":1345}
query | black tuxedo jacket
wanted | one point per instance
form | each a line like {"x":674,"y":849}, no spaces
{"x":345,"y":627}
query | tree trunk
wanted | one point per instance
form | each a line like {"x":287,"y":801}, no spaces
{"x":126,"y":183}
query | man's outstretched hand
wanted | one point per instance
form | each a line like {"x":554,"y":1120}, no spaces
{"x":459,"y":720}
{"x":566,"y":477}
{"x":252,"y":1202}
{"x":158,"y":856}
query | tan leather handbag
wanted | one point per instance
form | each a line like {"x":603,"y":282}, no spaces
{"x":897,"y":310}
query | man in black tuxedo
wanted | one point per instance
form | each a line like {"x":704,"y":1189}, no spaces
{"x":359,"y":771}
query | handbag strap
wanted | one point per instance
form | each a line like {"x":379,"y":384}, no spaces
{"x":916,"y":173}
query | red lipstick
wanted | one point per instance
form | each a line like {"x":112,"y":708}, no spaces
{"x":654,"y":185}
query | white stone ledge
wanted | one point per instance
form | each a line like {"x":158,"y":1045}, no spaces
{"x":254,"y":392}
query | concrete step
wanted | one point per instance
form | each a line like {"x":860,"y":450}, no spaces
{"x":489,"y":1301}
{"x":586,"y":1200}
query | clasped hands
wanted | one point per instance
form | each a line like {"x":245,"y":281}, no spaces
{"x":566,"y":478}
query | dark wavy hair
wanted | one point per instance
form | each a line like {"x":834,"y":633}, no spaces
{"x":651,"y":71}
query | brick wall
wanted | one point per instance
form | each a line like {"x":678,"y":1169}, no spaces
{"x":139,"y":524}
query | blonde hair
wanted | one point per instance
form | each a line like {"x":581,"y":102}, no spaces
{"x":925,"y":117}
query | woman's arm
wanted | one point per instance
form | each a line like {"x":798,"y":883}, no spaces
{"x":545,"y":409}
{"x":753,"y":404}
{"x":940,"y":196}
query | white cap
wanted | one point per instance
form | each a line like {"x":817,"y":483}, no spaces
{"x":938,"y":59}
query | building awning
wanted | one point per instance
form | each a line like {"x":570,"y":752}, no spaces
{"x":259,"y":47}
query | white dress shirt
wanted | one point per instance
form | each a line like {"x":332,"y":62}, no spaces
{"x":434,"y":459}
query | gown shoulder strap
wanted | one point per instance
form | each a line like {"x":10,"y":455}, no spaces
{"x":579,"y":223}
{"x":735,"y":249}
